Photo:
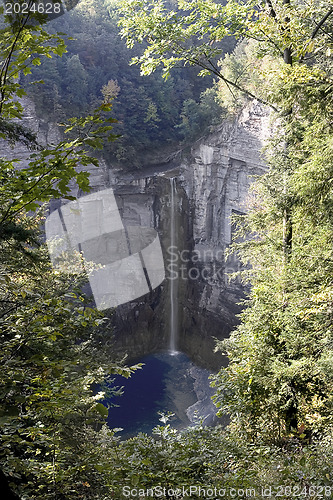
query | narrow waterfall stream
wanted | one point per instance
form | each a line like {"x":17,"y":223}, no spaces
{"x":169,"y":381}
{"x":173,"y":270}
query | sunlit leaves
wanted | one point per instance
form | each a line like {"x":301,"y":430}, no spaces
{"x":51,"y":360}
{"x":51,"y":350}
{"x":194,"y":33}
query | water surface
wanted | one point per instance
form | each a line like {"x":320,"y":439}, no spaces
{"x":163,"y":384}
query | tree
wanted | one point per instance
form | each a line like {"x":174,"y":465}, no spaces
{"x":278,"y":379}
{"x":51,"y":355}
{"x":104,"y":57}
{"x":76,"y":82}
{"x":195,"y":33}
{"x":52,"y":348}
{"x":50,"y":169}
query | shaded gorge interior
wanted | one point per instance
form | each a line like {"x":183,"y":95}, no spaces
{"x":189,"y":201}
{"x":188,"y":198}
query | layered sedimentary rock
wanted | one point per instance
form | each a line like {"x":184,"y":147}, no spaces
{"x":216,"y":177}
{"x":212,"y":182}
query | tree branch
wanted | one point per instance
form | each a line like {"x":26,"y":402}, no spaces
{"x":5,"y":68}
{"x":272,"y":12}
{"x":320,"y":24}
{"x":213,"y":69}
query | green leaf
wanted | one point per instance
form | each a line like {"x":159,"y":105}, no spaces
{"x":102,"y":410}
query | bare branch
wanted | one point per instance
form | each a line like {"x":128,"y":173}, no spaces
{"x":320,"y":24}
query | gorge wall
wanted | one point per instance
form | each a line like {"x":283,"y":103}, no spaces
{"x":212,"y":181}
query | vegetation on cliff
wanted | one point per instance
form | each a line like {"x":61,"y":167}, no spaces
{"x":150,"y":114}
{"x":51,"y":352}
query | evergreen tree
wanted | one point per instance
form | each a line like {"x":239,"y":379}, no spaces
{"x":278,"y":381}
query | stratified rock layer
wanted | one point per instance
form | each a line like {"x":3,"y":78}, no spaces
{"x":212,"y":182}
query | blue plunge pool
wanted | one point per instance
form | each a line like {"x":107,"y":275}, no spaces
{"x":166,"y":383}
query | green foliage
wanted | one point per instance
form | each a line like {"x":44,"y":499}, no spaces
{"x":169,"y":463}
{"x":277,"y":388}
{"x":51,"y":170}
{"x":148,"y":110}
{"x":199,"y":117}
{"x":196,"y":33}
{"x":53,"y":354}
{"x":52,"y":444}
{"x":168,"y":31}
{"x":277,"y":382}
{"x":76,"y":83}
{"x":22,"y":45}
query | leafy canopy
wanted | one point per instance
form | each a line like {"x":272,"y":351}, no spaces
{"x":278,"y":381}
{"x":52,"y":348}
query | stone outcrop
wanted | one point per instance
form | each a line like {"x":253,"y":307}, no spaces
{"x":212,"y":182}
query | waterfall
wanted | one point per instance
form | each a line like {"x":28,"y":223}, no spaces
{"x":173,"y":270}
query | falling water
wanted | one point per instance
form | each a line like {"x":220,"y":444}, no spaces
{"x":173,"y":271}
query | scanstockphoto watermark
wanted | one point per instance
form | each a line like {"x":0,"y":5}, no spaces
{"x":188,"y":492}
{"x":208,"y":265}
{"x":218,"y":493}
{"x":122,"y":262}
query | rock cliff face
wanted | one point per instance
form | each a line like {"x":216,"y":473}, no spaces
{"x":212,"y":182}
{"x":216,"y":177}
